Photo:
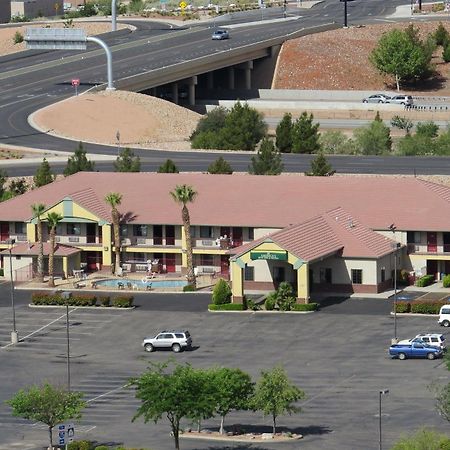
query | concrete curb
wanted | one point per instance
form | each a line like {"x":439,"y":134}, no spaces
{"x":247,"y":440}
{"x":262,"y":312}
{"x":414,"y":314}
{"x":103,"y":308}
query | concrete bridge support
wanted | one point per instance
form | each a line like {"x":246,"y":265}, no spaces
{"x":210,"y":80}
{"x":231,"y":83}
{"x":191,"y":90}
{"x":175,"y":93}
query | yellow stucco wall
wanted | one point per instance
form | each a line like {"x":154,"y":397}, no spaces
{"x":31,"y":232}
{"x":106,"y":243}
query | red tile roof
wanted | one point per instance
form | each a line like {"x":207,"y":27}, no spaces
{"x":25,"y":249}
{"x":249,"y":200}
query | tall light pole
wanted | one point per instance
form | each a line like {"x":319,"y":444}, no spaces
{"x":381,"y":393}
{"x":392,"y":227}
{"x":67,"y":295}
{"x":118,"y":142}
{"x":14,"y":334}
{"x":345,"y":13}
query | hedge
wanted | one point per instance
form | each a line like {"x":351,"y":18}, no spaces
{"x":226,"y":307}
{"x":305,"y":307}
{"x":44,"y":298}
{"x":189,"y":288}
{"x":125,"y":301}
{"x":419,"y":307}
{"x":426,"y":280}
{"x":446,"y":279}
{"x":403,"y":307}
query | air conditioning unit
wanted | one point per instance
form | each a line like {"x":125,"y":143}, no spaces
{"x":207,"y":243}
{"x":140,"y":241}
{"x":417,"y":248}
{"x":21,"y":237}
{"x":74,"y":239}
{"x":57,"y":239}
{"x":125,"y":241}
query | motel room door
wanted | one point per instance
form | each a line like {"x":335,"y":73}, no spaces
{"x":170,"y":262}
{"x":432,"y":242}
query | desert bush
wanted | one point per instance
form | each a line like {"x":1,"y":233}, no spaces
{"x":446,"y":53}
{"x":221,"y":293}
{"x":124,"y":301}
{"x":438,"y":7}
{"x":441,"y":36}
{"x":271,"y":301}
{"x":80,"y":445}
{"x":426,"y":280}
{"x":18,"y":37}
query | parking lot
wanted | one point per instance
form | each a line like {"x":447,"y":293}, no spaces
{"x":338,"y":356}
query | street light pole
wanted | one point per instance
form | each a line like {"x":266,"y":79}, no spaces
{"x":68,"y":346}
{"x":392,"y":227}
{"x":118,"y":142}
{"x":381,"y":393}
{"x":14,"y":334}
{"x":345,"y":13}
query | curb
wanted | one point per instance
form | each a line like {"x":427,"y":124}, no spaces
{"x":261,"y":312}
{"x":246,"y":440}
{"x":414,"y":314}
{"x":103,"y":308}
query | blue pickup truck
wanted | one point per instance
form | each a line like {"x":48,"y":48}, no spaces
{"x":414,"y":350}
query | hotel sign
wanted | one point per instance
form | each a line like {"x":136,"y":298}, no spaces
{"x":273,"y":256}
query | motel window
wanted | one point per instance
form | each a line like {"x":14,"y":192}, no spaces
{"x":251,"y":234}
{"x":140,"y":230}
{"x":123,"y":230}
{"x":325,"y":275}
{"x":413,"y":237}
{"x":20,"y":228}
{"x":206,"y":232}
{"x":206,"y":260}
{"x":249,"y":274}
{"x":73,"y":229}
{"x":357,"y":276}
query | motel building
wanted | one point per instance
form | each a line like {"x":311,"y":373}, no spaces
{"x":340,"y":234}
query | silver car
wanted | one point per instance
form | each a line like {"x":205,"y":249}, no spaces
{"x":175,"y":340}
{"x":405,"y":100}
{"x":218,"y":35}
{"x":376,"y":98}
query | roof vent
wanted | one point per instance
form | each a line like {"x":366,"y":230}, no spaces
{"x":350,"y":223}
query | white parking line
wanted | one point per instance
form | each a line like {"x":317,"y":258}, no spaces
{"x":107,"y":393}
{"x":40,"y":329}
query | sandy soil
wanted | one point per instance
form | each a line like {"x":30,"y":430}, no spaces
{"x":7,"y":45}
{"x":140,"y":119}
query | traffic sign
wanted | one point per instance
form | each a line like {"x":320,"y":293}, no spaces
{"x":66,"y":433}
{"x":55,"y":38}
{"x":75,"y":81}
{"x":183,"y":5}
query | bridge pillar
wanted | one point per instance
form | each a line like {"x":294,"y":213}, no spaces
{"x":210,"y":80}
{"x":230,"y":77}
{"x":274,"y":50}
{"x":248,"y":74}
{"x":175,"y":93}
{"x":191,"y":92}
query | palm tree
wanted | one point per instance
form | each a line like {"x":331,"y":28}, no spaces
{"x":53,"y":220}
{"x":114,"y":199}
{"x":185,"y":194}
{"x":38,"y":209}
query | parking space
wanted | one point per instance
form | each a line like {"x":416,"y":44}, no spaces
{"x":338,"y":356}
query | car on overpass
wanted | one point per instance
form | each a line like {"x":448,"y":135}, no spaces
{"x":376,"y":98}
{"x":219,"y":35}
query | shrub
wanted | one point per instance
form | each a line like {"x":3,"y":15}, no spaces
{"x":80,"y":445}
{"x":250,"y":304}
{"x":226,"y":307}
{"x":446,"y":281}
{"x":426,"y":307}
{"x":19,"y":18}
{"x":446,"y":53}
{"x":426,"y":280}
{"x":441,"y":36}
{"x":437,"y":7}
{"x":104,"y":301}
{"x":125,"y":301}
{"x":83,"y":300}
{"x":305,"y":307}
{"x":285,"y":298}
{"x":189,"y":288}
{"x":2,"y":274}
{"x":43,"y":298}
{"x":403,"y":307}
{"x":271,"y":301}
{"x":18,"y":37}
{"x":221,"y":293}
{"x":101,"y":447}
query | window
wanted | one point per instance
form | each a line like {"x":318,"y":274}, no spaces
{"x":20,"y":228}
{"x":73,"y":229}
{"x":206,"y":260}
{"x":140,"y":230}
{"x":383,"y":274}
{"x":251,"y":234}
{"x":357,"y":276}
{"x":206,"y":232}
{"x":123,"y":230}
{"x":325,"y":275}
{"x":413,"y":237}
{"x":249,"y":274}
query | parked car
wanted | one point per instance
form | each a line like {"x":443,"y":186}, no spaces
{"x":175,"y":340}
{"x":218,"y":35}
{"x":406,"y":100}
{"x":434,"y":339}
{"x":376,"y":98}
{"x":414,"y":350}
{"x":444,"y":316}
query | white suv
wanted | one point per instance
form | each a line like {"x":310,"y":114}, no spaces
{"x":434,"y":339}
{"x":175,"y":340}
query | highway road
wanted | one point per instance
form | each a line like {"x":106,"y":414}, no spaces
{"x":33,"y":79}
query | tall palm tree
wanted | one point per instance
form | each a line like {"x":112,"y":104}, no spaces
{"x":114,"y":199}
{"x":53,"y":220}
{"x":185,"y":194}
{"x":38,"y":209}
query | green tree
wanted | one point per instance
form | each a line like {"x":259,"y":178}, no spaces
{"x":220,"y":166}
{"x":213,"y":122}
{"x":43,"y":174}
{"x":320,"y":167}
{"x":168,"y":167}
{"x":374,"y":139}
{"x":78,"y":162}
{"x":127,"y":162}
{"x":221,"y":292}
{"x":234,"y":388}
{"x":402,"y":123}
{"x":176,"y":394}
{"x":305,"y":135}
{"x":441,"y":36}
{"x":3,"y":178}
{"x":47,"y":404}
{"x":244,"y":127}
{"x":275,"y":395}
{"x":283,"y":134}
{"x":185,"y":194}
{"x":427,"y":129}
{"x":18,"y":187}
{"x":443,"y":144}
{"x":400,"y":53}
{"x":337,"y":143}
{"x":267,"y":161}
{"x":114,"y":200}
{"x":37,"y":210}
{"x":417,"y":145}
{"x":53,"y":220}
{"x":136,"y":6}
{"x":446,"y":53}
{"x":423,"y":439}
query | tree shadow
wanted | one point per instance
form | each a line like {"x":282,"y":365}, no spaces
{"x":330,"y":301}
{"x":434,"y":83}
{"x":251,"y":428}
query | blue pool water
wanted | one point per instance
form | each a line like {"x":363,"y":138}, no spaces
{"x":142,"y":284}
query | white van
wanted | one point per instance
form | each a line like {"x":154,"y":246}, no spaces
{"x":444,"y":316}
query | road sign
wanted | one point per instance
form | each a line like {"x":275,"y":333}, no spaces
{"x":183,"y":5}
{"x":75,"y":82}
{"x":55,"y":39}
{"x":66,"y":433}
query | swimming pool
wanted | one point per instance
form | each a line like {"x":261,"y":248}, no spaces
{"x":140,"y":284}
